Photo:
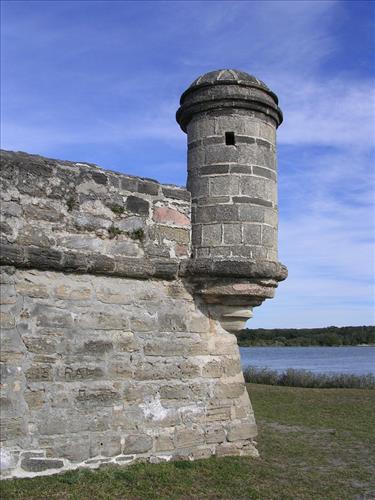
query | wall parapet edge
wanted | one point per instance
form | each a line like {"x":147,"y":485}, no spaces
{"x":76,"y":217}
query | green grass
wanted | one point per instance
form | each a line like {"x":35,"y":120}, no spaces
{"x":314,"y":444}
{"x":305,"y":378}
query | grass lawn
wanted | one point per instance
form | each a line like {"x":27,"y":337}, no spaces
{"x":314,"y":444}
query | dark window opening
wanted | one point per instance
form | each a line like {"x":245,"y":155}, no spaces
{"x":229,"y":139}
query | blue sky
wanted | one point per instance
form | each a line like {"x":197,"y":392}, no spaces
{"x":100,"y":82}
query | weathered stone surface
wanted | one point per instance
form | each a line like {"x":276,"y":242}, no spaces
{"x":187,"y":438}
{"x":167,"y":215}
{"x":40,"y":464}
{"x":138,"y":443}
{"x":137,"y":205}
{"x":238,"y":431}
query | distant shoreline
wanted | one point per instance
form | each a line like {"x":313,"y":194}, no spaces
{"x":331,"y":336}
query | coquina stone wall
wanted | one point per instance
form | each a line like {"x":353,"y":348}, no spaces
{"x":107,"y":355}
{"x":120,"y":296}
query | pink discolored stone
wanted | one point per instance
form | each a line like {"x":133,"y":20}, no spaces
{"x":169,"y":216}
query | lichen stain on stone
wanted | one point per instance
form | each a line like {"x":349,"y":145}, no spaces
{"x":153,"y":409}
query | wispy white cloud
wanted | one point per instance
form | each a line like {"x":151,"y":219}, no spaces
{"x":331,"y":112}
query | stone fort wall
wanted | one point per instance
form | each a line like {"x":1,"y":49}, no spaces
{"x":120,"y":296}
{"x":108,"y":354}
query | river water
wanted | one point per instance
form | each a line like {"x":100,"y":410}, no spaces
{"x":359,"y":360}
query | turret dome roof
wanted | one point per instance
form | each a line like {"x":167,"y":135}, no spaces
{"x":227,"y":75}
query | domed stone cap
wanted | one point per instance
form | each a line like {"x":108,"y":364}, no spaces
{"x":227,"y":88}
{"x":228,"y":76}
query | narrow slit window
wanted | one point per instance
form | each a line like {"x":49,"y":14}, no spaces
{"x":229,"y":139}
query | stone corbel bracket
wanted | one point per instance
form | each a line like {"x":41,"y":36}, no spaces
{"x":231,"y":301}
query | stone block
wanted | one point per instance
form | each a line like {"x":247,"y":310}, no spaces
{"x":164,"y":442}
{"x":215,"y":434}
{"x":155,"y":371}
{"x":35,"y":398}
{"x":241,"y":430}
{"x":213,"y":369}
{"x":232,"y":233}
{"x":269,"y":236}
{"x":221,"y":154}
{"x":143,"y":322}
{"x":220,"y":213}
{"x":168,"y":347}
{"x":39,"y":373}
{"x":137,"y":205}
{"x":99,"y":346}
{"x":78,"y":372}
{"x":47,"y":316}
{"x":137,"y":443}
{"x":254,"y":187}
{"x":237,"y":122}
{"x":227,"y":450}
{"x":66,"y":292}
{"x":107,"y":445}
{"x":271,"y":217}
{"x":217,"y":413}
{"x":99,"y":178}
{"x":264,"y":172}
{"x":213,"y":200}
{"x":11,"y":208}
{"x":42,"y":211}
{"x":211,"y":234}
{"x":196,"y":156}
{"x":131,"y":224}
{"x":175,"y":234}
{"x":46,"y":344}
{"x":11,"y":254}
{"x":120,"y":369}
{"x":267,"y":132}
{"x":41,"y":464}
{"x":12,"y":428}
{"x":214,"y":169}
{"x":272,"y":255}
{"x":224,"y":185}
{"x":189,"y":368}
{"x":148,"y":187}
{"x":175,"y":391}
{"x":229,"y":390}
{"x":102,"y":321}
{"x":90,"y":222}
{"x":215,"y":139}
{"x":252,"y":234}
{"x":7,"y":320}
{"x":75,"y":449}
{"x":201,"y":127}
{"x":101,"y":396}
{"x":176,"y":193}
{"x":198,"y":186}
{"x":166,"y":215}
{"x":34,"y":236}
{"x":232,"y":367}
{"x":249,"y":213}
{"x":34,"y":290}
{"x":43,"y":258}
{"x":241,"y":169}
{"x":5,"y":228}
{"x":187,"y":438}
{"x":129,"y":183}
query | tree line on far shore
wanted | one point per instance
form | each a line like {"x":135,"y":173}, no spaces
{"x":328,"y":336}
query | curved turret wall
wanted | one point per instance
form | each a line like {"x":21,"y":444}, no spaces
{"x":230,"y":119}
